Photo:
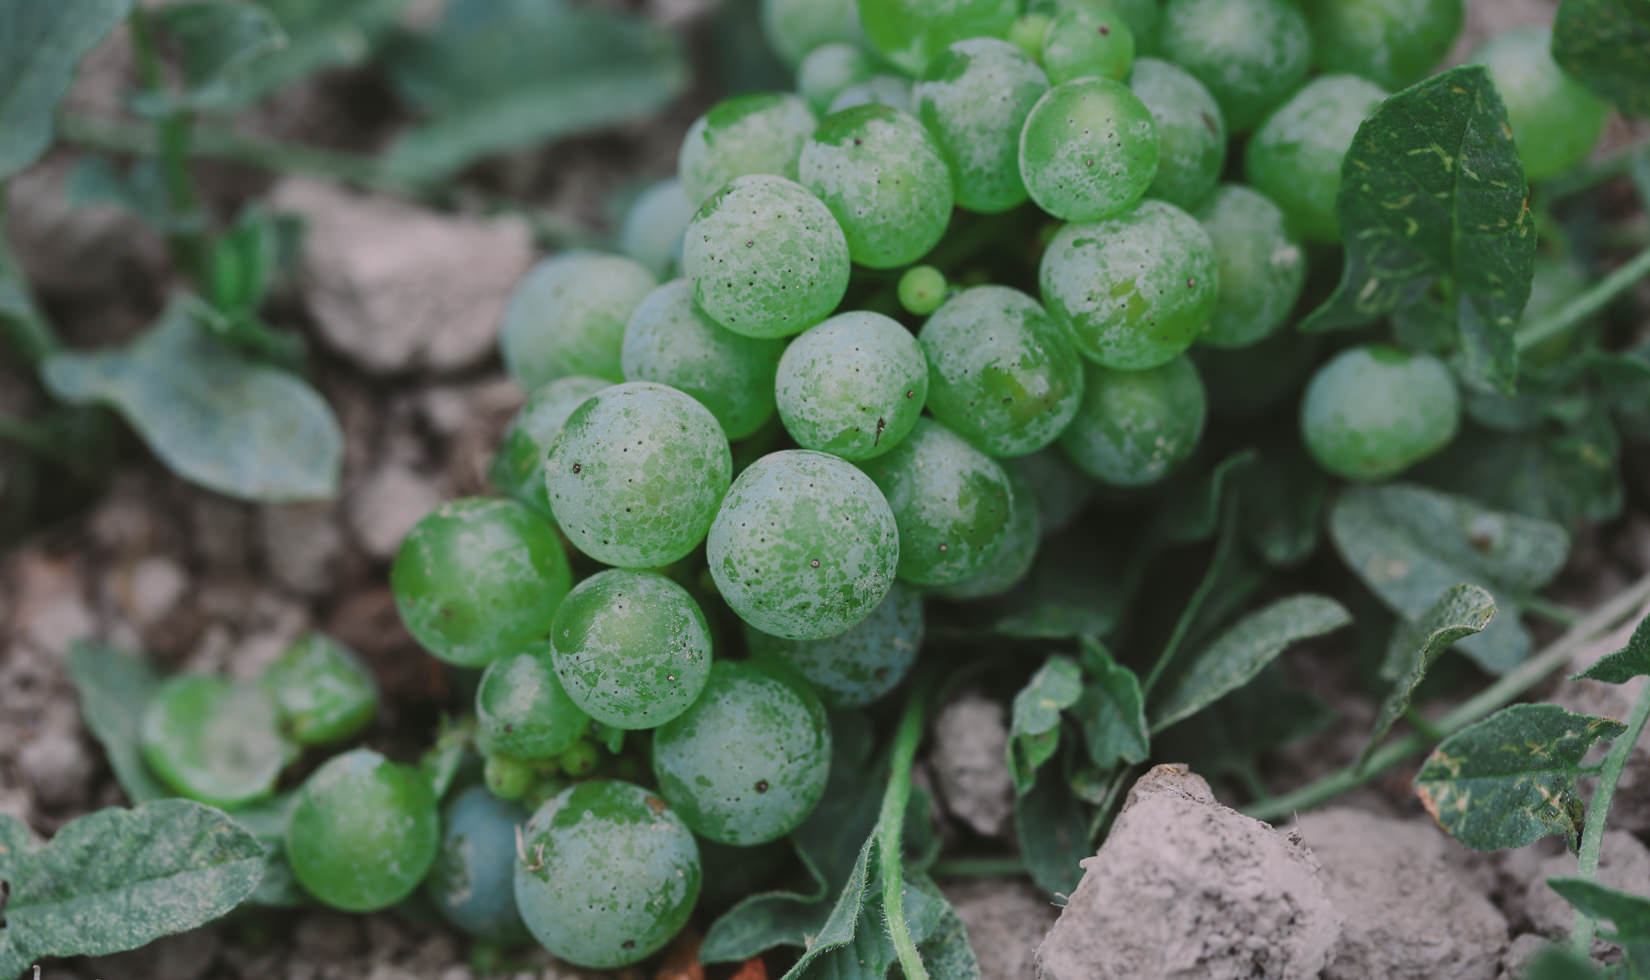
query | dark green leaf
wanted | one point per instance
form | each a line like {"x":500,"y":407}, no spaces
{"x":41,"y":43}
{"x":1458,"y":614}
{"x":114,"y":688}
{"x":1053,"y":833}
{"x":1570,"y":476}
{"x":1283,"y":504}
{"x":218,"y":44}
{"x":1510,"y":779}
{"x":1605,"y":45}
{"x":1632,"y":660}
{"x":1112,"y":710}
{"x":946,"y":952}
{"x":1074,"y":589}
{"x":1034,"y":732}
{"x":1192,"y":510}
{"x":1629,"y":913}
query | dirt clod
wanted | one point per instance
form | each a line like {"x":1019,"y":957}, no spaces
{"x":1623,"y":863}
{"x":970,"y":739}
{"x":1005,"y":921}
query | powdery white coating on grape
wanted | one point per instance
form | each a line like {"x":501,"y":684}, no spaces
{"x":1019,"y":551}
{"x":1133,"y":291}
{"x":1191,"y":132}
{"x":1088,"y":150}
{"x":804,"y":546}
{"x":974,"y":98}
{"x":632,"y":648}
{"x":893,"y":91}
{"x":795,"y":28}
{"x":1372,"y":412}
{"x":321,"y":689}
{"x":523,"y":711}
{"x":213,"y":739}
{"x":637,"y":474}
{"x":1083,"y":41}
{"x":766,"y":258}
{"x":1249,"y":53}
{"x":853,"y":386}
{"x":909,"y":32}
{"x":473,"y":883}
{"x":1393,"y":43}
{"x":882,"y":177}
{"x":1061,"y":490}
{"x":672,"y":342}
{"x":1262,"y":270}
{"x":755,"y":133}
{"x":748,"y":762}
{"x":861,"y":664}
{"x":830,"y":68}
{"x":950,"y":501}
{"x":1136,"y":426}
{"x":518,"y":468}
{"x":568,"y":317}
{"x":1295,"y":156}
{"x":654,"y":225}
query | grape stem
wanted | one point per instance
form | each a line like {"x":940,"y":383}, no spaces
{"x":1598,"y":810}
{"x":891,"y":826}
{"x":1587,"y":304}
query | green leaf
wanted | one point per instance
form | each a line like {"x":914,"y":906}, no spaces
{"x":117,"y":879}
{"x":1034,"y":731}
{"x":1569,"y":475}
{"x":1192,"y":509}
{"x":1073,"y":589}
{"x":441,"y":762}
{"x":1409,"y":544}
{"x":1630,"y":913}
{"x":1432,"y":189}
{"x":1283,"y":504}
{"x":41,"y":44}
{"x":1510,"y":779}
{"x":1240,"y":653}
{"x":1632,"y":660}
{"x":1605,"y":45}
{"x":1112,"y":710}
{"x":218,"y":43}
{"x":114,"y":688}
{"x":1053,"y":833}
{"x":320,"y":35}
{"x":214,"y":418}
{"x":1555,"y":962}
{"x":140,"y":189}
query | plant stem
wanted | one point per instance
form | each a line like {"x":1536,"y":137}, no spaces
{"x":1217,"y":565}
{"x":1598,"y":810}
{"x":997,"y":867}
{"x":1550,"y":610}
{"x":1588,"y":303}
{"x":24,"y":327}
{"x":172,"y":137}
{"x":1595,"y":172}
{"x":891,"y":826}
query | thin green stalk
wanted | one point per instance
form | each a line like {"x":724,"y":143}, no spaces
{"x":1101,"y":823}
{"x":1595,"y":172}
{"x":27,"y":331}
{"x":1598,"y":811}
{"x":1587,"y":304}
{"x":990,"y":867}
{"x":891,"y":826}
{"x":172,"y":136}
{"x":1550,"y":610}
{"x":1217,"y":564}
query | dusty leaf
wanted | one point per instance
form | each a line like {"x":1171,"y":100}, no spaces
{"x":114,"y":688}
{"x":41,"y":44}
{"x":1629,"y":913}
{"x":1053,"y":833}
{"x":1605,"y":45}
{"x":1112,"y":710}
{"x":1632,"y":660}
{"x":1034,"y":728}
{"x":266,"y":820}
{"x":217,"y":42}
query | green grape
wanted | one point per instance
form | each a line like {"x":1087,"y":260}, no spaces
{"x":1190,"y":128}
{"x":922,"y":289}
{"x":654,"y":225}
{"x":608,"y":875}
{"x":518,"y":469}
{"x":1248,"y":382}
{"x":950,"y":501}
{"x":1083,"y":43}
{"x":632,"y":648}
{"x":1144,"y":18}
{"x":1555,"y":120}
{"x":1001,"y":373}
{"x":882,"y":177}
{"x":473,"y":882}
{"x":1250,"y":53}
{"x":755,"y":133}
{"x":804,"y":546}
{"x":766,"y":258}
{"x":671,"y":342}
{"x":1393,"y":43}
{"x":580,"y":760}
{"x":893,"y":91}
{"x":748,"y":761}
{"x":321,"y":690}
{"x":363,"y":831}
{"x":974,"y":99}
{"x":1061,"y":490}
{"x":853,"y":386}
{"x":860,"y":664}
{"x":1019,"y":550}
{"x":796,"y":28}
{"x":477,"y":579}
{"x":1372,"y":412}
{"x":1137,"y":426}
{"x":568,"y":317}
{"x":1027,"y":34}
{"x":910,"y":32}
{"x":523,"y":711}
{"x":1089,"y":149}
{"x":1295,"y":156}
{"x":213,"y":739}
{"x":637,"y":473}
{"x":1136,"y":290}
{"x":830,"y":68}
{"x":508,"y":777}
{"x":1262,"y":269}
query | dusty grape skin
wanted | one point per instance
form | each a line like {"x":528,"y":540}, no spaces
{"x":748,"y":761}
{"x":1393,"y":43}
{"x":883,"y":178}
{"x":1083,"y":42}
{"x":1144,"y":18}
{"x":796,"y":28}
{"x":472,"y":883}
{"x":1556,"y":121}
{"x":804,"y":546}
{"x":1191,"y":132}
{"x":1250,"y":53}
{"x":1001,"y":373}
{"x":636,"y":475}
{"x":610,"y":874}
{"x":1018,"y":552}
{"x":1061,"y":490}
{"x":523,"y":711}
{"x":1294,"y":158}
{"x":321,"y":689}
{"x":1372,"y":412}
{"x":974,"y":98}
{"x":518,"y":469}
{"x":766,"y":258}
{"x":670,"y":342}
{"x":1262,"y":269}
{"x":1089,"y":150}
{"x":567,"y":316}
{"x":893,"y":91}
{"x":860,"y":664}
{"x":755,"y":133}
{"x":853,"y":386}
{"x":1134,"y":291}
{"x":910,"y":32}
{"x":1135,"y":427}
{"x":477,"y":579}
{"x":654,"y":225}
{"x":828,"y":70}
{"x":950,"y":501}
{"x":632,"y":648}
{"x":213,"y":740}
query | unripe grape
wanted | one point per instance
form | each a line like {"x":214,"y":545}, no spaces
{"x":321,"y":689}
{"x":473,"y":882}
{"x":974,"y":99}
{"x":568,"y":317}
{"x":523,"y":711}
{"x":654,"y":225}
{"x":1250,"y":53}
{"x":1393,"y":43}
{"x":214,"y":740}
{"x":1089,"y":149}
{"x":893,"y":91}
{"x":910,"y":32}
{"x":828,"y":70}
{"x":1190,"y":129}
{"x":1019,"y":549}
{"x":860,"y":664}
{"x":1556,"y":121}
{"x":518,"y":469}
{"x":1295,"y":157}
{"x":922,"y":289}
{"x":1137,"y":426}
{"x":755,"y":133}
{"x":1373,"y":411}
{"x":1262,"y":270}
{"x":794,"y":28}
{"x":853,"y":386}
{"x":1082,"y":43}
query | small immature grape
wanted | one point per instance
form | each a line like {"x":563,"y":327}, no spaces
{"x":795,"y":28}
{"x":1393,"y":43}
{"x":755,"y":133}
{"x":1190,"y":127}
{"x":828,"y":70}
{"x":637,"y":474}
{"x":1295,"y":156}
{"x":321,"y":690}
{"x":893,"y":91}
{"x":861,"y":664}
{"x":1082,"y":43}
{"x":748,"y":761}
{"x":1144,"y":18}
{"x":568,"y":317}
{"x":922,"y":289}
{"x":654,"y":225}
{"x":523,"y":711}
{"x":1555,"y":119}
{"x":1028,"y":33}
{"x":214,"y":740}
{"x":1018,"y":552}
{"x":518,"y":469}
{"x":853,"y":386}
{"x":580,"y":760}
{"x":974,"y":99}
{"x":1137,"y":426}
{"x":1250,"y":53}
{"x":1374,"y":411}
{"x":473,"y":882}
{"x":1089,"y":149}
{"x":804,"y":546}
{"x":910,"y":32}
{"x":508,"y":777}
{"x":1059,"y":488}
{"x":1262,"y":269}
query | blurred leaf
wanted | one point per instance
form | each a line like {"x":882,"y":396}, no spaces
{"x":266,"y":820}
{"x":321,"y":35}
{"x":218,"y":43}
{"x":114,"y":688}
{"x":1632,"y":660}
{"x":41,"y":44}
{"x":1112,"y":710}
{"x":1629,"y":913}
{"x":442,"y":761}
{"x":1192,"y":508}
{"x":1074,"y":588}
{"x":1283,"y":504}
{"x":1570,"y":476}
{"x":1053,"y":833}
{"x":139,"y":189}
{"x":1605,"y":45}
{"x":1459,"y":613}
{"x":1034,"y":733}
{"x":1555,"y":962}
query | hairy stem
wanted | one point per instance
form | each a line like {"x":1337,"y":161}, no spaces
{"x":1587,"y":304}
{"x":891,"y":827}
{"x":1592,"y":834}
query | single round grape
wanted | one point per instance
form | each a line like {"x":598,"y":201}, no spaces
{"x":473,"y":882}
{"x":608,"y":874}
{"x":1133,"y":291}
{"x":893,"y":91}
{"x":580,"y":760}
{"x":861,"y":664}
{"x":1262,"y":269}
{"x":828,"y":70}
{"x":974,"y":99}
{"x":1190,"y":128}
{"x":950,"y":501}
{"x":795,"y":28}
{"x":804,"y":546}
{"x":853,"y":386}
{"x":321,"y":690}
{"x":1060,"y":489}
{"x":1018,"y":552}
{"x":568,"y":317}
{"x":1556,"y":121}
{"x":637,"y":474}
{"x":766,"y":258}
{"x":1089,"y":150}
{"x":518,"y":468}
{"x":909,"y":32}
{"x":654,"y":225}
{"x":922,"y":289}
{"x":1028,"y":33}
{"x":213,"y":740}
{"x":672,"y":342}
{"x":1250,"y":53}
{"x":1295,"y":156}
{"x":1372,"y":412}
{"x":1393,"y":43}
{"x":523,"y":711}
{"x":1137,"y":426}
{"x":1144,"y":18}
{"x":1001,"y":373}
{"x":1083,"y":43}
{"x":882,"y":177}
{"x":632,"y":648}
{"x":754,"y":133}
{"x":363,"y":831}
{"x":1249,"y":382}
{"x":748,"y":761}
{"x":508,"y":777}
{"x":477,"y":579}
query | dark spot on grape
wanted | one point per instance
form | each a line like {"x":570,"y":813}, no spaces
{"x":629,"y":944}
{"x":1105,"y":30}
{"x":578,"y":468}
{"x":509,"y":729}
{"x":761,"y":785}
{"x":814,"y":563}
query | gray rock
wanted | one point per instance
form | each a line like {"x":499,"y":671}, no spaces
{"x":970,"y":764}
{"x":304,"y":546}
{"x":384,"y":508}
{"x":54,"y":763}
{"x":1005,"y":921}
